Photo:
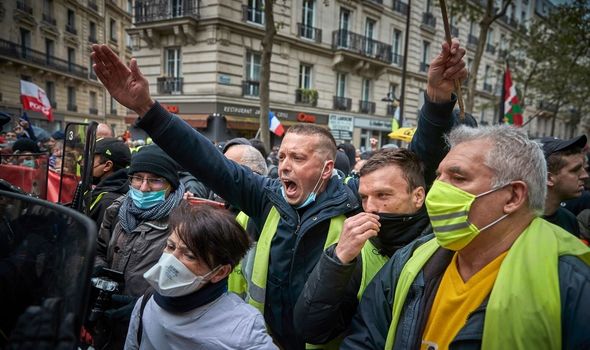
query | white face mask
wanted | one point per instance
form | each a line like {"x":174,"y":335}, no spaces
{"x":170,"y":278}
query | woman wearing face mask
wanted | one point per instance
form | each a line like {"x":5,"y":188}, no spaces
{"x":134,"y":230}
{"x":190,"y":307}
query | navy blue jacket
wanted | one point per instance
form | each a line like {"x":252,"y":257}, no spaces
{"x":301,"y":234}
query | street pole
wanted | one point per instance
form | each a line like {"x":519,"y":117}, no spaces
{"x":402,"y":96}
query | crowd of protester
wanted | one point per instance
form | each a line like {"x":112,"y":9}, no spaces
{"x":469,"y":237}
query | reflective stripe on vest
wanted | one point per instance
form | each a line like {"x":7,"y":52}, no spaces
{"x":97,"y":199}
{"x":372,"y":262}
{"x":236,"y":281}
{"x":526,"y":288}
{"x":257,"y":286}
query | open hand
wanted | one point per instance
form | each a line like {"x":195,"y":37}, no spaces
{"x":125,"y":84}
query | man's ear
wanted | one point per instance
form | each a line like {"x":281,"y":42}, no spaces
{"x":418,"y":196}
{"x":328,"y":168}
{"x":108,"y":166}
{"x":519,"y":195}
{"x":550,"y":179}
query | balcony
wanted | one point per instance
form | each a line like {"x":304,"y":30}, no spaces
{"x":367,"y":107}
{"x":113,"y":111}
{"x":391,"y":109}
{"x":491,"y":49}
{"x":47,"y":18}
{"x":547,"y":106}
{"x":252,"y":15}
{"x":42,"y":59}
{"x":92,"y":39}
{"x":170,"y":85}
{"x":93,"y":110}
{"x":53,"y":104}
{"x":22,"y":6}
{"x":378,"y":2}
{"x":400,"y":7}
{"x":70,"y":28}
{"x":92,"y":5}
{"x":160,"y":10}
{"x":72,"y":107}
{"x":306,"y":96}
{"x":250,"y":88}
{"x":309,"y":32}
{"x":487,"y":87}
{"x":454,"y":32}
{"x":397,"y":59}
{"x":472,"y":40}
{"x":424,"y":67}
{"x":92,"y":75}
{"x":342,"y":103}
{"x":355,"y":43}
{"x":428,"y":21}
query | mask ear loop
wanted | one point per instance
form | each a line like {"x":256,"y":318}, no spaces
{"x":498,"y":219}
{"x":318,"y":184}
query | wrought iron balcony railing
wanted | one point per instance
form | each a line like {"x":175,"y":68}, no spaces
{"x":400,"y":7}
{"x":158,"y":10}
{"x":342,"y":103}
{"x":170,"y":85}
{"x":424,"y":67}
{"x":306,"y":96}
{"x":252,"y":15}
{"x":428,"y":19}
{"x":367,"y":107}
{"x":309,"y":32}
{"x":349,"y":41}
{"x":250,"y":88}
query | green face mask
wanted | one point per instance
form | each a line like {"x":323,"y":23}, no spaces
{"x":448,"y":208}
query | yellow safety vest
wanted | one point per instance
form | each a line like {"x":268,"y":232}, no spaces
{"x":373,"y":261}
{"x":236,"y":281}
{"x":526,"y":288}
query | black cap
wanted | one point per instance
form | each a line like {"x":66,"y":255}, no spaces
{"x":58,"y":135}
{"x":552,"y":144}
{"x":233,"y":142}
{"x":152,"y":159}
{"x":114,"y":150}
{"x":25,"y":145}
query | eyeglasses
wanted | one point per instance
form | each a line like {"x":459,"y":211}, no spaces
{"x":153,"y":182}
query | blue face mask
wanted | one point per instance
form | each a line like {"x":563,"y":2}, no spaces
{"x":146,"y":200}
{"x":29,"y":163}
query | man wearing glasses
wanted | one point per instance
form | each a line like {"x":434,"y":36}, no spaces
{"x":134,"y":231}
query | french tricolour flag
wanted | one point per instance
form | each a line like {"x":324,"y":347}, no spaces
{"x":34,"y":98}
{"x":275,"y":125}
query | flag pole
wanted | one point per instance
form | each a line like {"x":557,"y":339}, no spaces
{"x":443,"y":9}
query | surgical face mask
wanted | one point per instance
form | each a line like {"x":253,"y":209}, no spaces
{"x":29,"y":163}
{"x":170,"y":278}
{"x":448,"y":208}
{"x":146,"y":200}
{"x":313,"y":194}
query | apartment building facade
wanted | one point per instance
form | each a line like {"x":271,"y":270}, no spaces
{"x":48,"y":42}
{"x":333,"y":62}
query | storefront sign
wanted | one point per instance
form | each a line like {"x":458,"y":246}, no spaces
{"x":247,"y":111}
{"x":305,"y":118}
{"x":341,"y":126}
{"x":170,"y":108}
{"x":372,"y":124}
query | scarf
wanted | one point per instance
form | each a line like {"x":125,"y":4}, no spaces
{"x":203,"y":296}
{"x":130,"y":216}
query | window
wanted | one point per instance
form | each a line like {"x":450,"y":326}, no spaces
{"x":255,"y":11}
{"x":48,"y":8}
{"x":428,"y":6}
{"x":490,"y":37}
{"x":71,"y":19}
{"x":172,"y":62}
{"x":129,"y":6}
{"x":50,"y":92}
{"x":92,"y":30}
{"x":49,"y":51}
{"x":486,"y":75}
{"x":308,"y":19}
{"x":252,"y":84}
{"x":392,"y":92}
{"x":113,"y":30}
{"x":71,"y":56}
{"x":128,"y":42}
{"x":471,"y":28}
{"x":176,"y":8}
{"x":305,"y":76}
{"x":421,"y":93}
{"x":396,"y":46}
{"x":113,"y":105}
{"x":92,"y":101}
{"x":369,"y":32}
{"x":425,"y":56}
{"x":341,"y":85}
{"x":26,"y":78}
{"x":366,"y":93}
{"x":502,"y":41}
{"x":71,"y":98}
{"x":344,"y":25}
{"x":25,"y":42}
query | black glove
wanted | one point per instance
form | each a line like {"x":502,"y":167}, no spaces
{"x":122,"y":307}
{"x":43,"y":328}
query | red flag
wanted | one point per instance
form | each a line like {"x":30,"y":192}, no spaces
{"x":34,"y":98}
{"x":512,"y":109}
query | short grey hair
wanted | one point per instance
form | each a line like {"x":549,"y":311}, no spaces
{"x":253,"y":159}
{"x":512,"y":156}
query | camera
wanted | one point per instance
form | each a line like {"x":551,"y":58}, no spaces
{"x":106,"y":283}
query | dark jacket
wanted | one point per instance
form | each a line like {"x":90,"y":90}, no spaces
{"x":371,"y":323}
{"x":328,"y":302}
{"x":298,"y":243}
{"x":108,"y":189}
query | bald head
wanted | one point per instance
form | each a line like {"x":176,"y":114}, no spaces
{"x":248,"y":156}
{"x":103,"y":131}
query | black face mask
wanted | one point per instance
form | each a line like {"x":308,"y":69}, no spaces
{"x":397,"y":230}
{"x":96,"y":180}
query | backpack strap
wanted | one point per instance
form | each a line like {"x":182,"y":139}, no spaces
{"x":146,"y":296}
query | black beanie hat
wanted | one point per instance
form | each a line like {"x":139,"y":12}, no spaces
{"x":152,"y":159}
{"x":25,"y":145}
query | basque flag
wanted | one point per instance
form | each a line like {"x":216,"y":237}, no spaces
{"x":275,"y":125}
{"x":34,"y":98}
